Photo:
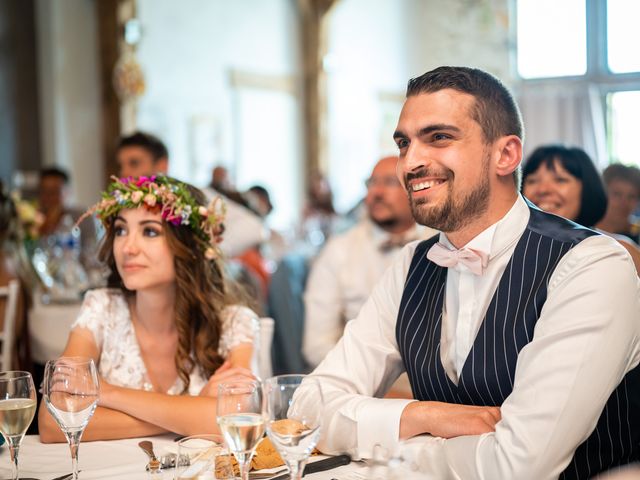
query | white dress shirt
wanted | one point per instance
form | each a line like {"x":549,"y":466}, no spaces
{"x":341,"y":279}
{"x":586,"y":339}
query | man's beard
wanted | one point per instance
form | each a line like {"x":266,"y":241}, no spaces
{"x":389,"y":221}
{"x":453,"y":214}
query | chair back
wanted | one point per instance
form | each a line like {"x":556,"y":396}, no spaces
{"x":265,"y":369}
{"x":7,"y":335}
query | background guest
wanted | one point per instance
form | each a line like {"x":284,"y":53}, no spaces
{"x":623,"y":192}
{"x":141,"y":153}
{"x":564,"y":180}
{"x":350,"y":264}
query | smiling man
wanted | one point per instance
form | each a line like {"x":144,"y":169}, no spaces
{"x":518,"y":329}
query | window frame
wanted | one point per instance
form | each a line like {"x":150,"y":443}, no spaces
{"x":598,"y":73}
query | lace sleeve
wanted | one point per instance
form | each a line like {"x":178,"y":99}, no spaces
{"x":239,"y":325}
{"x":93,"y":313}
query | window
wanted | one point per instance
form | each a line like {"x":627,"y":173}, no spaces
{"x":587,"y":43}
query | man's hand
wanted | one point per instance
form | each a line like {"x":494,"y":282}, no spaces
{"x":224,"y":374}
{"x":447,"y":420}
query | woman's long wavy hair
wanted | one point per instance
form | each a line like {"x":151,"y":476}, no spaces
{"x":202,"y":293}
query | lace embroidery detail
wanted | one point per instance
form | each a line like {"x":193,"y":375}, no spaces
{"x":105,"y":314}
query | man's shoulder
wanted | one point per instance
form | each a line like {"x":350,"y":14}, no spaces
{"x":557,"y":228}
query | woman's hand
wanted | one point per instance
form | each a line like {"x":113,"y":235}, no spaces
{"x":224,"y":374}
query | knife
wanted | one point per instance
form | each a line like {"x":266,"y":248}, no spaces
{"x":320,"y":466}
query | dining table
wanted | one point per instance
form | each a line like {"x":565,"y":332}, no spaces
{"x":119,"y":459}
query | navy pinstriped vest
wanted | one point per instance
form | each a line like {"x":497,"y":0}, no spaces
{"x":487,"y":375}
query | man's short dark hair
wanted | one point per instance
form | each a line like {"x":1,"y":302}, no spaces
{"x":149,"y":142}
{"x":495,"y":109}
{"x":623,"y":173}
{"x":593,"y":199}
{"x":55,"y":172}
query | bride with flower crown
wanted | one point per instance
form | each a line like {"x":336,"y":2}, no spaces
{"x":169,"y":328}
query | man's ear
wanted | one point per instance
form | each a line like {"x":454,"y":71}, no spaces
{"x":509,"y":155}
{"x":162,"y":165}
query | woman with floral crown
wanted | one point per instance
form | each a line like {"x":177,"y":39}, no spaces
{"x":168,"y":329}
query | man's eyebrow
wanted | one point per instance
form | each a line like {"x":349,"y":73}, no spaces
{"x":438,"y":127}
{"x":399,"y":134}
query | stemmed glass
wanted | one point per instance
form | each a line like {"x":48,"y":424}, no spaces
{"x":241,"y":421}
{"x":17,"y":407}
{"x":71,"y":395}
{"x":294,"y":418}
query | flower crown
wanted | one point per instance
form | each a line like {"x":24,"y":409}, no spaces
{"x":172,"y":200}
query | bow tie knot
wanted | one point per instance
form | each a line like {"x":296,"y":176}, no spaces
{"x":476,"y":261}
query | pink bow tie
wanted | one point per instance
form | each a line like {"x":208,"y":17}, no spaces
{"x":474,"y":260}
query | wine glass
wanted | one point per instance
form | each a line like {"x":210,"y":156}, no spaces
{"x":241,"y":421}
{"x":17,"y":407}
{"x":71,"y":395}
{"x":292,"y":425}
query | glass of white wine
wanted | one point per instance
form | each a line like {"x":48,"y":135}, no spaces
{"x":17,"y":407}
{"x":294,"y":417}
{"x":71,"y":395}
{"x":241,"y":421}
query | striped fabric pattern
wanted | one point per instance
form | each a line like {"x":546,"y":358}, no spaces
{"x":487,"y":375}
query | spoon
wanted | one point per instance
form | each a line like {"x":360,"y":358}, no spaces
{"x":154,"y":463}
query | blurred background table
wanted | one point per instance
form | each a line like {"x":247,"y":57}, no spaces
{"x":49,"y":326}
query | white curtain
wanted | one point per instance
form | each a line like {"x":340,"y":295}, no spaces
{"x":567,"y":114}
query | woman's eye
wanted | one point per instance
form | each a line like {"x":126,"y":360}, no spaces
{"x":119,"y":231}
{"x":151,"y":232}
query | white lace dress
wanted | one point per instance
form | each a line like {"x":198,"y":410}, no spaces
{"x":105,"y":314}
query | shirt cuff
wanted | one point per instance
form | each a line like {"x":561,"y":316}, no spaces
{"x":379,"y":424}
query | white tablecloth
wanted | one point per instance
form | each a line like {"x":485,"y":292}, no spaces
{"x":49,"y":328}
{"x":121,"y":459}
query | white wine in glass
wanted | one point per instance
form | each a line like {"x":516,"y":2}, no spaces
{"x":71,"y":395}
{"x":17,"y":408}
{"x":241,"y":421}
{"x":294,"y":417}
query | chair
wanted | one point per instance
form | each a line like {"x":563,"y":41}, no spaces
{"x":265,"y":369}
{"x":7,"y":335}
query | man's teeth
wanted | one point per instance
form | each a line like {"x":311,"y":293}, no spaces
{"x":416,"y":187}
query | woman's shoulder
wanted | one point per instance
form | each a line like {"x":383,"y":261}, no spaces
{"x":238,"y":312}
{"x":104,"y":297}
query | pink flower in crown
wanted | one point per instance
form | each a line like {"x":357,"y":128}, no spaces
{"x":136,"y":196}
{"x":150,"y":199}
{"x":142,"y":180}
{"x":203,"y":211}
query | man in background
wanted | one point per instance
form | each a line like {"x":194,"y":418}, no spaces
{"x":350,"y":264}
{"x":145,"y":154}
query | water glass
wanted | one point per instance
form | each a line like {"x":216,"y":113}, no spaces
{"x":294,"y":417}
{"x":241,"y":421}
{"x":71,"y":395}
{"x":203,"y":457}
{"x":17,"y":407}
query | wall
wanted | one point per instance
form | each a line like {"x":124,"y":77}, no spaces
{"x":69,"y":93}
{"x":375,"y":46}
{"x":191,"y":52}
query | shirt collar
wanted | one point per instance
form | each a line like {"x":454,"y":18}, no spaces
{"x":501,"y":235}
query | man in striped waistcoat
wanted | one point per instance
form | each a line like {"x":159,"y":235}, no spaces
{"x":519,"y":330}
